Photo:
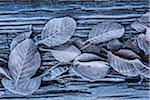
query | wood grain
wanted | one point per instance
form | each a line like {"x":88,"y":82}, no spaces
{"x":17,"y":17}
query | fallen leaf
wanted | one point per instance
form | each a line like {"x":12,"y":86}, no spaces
{"x":57,"y":31}
{"x":23,"y":88}
{"x":104,"y":32}
{"x":121,"y":65}
{"x":67,"y":54}
{"x":19,"y":38}
{"x":24,"y":60}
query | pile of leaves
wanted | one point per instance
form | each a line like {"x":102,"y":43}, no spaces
{"x":91,"y":59}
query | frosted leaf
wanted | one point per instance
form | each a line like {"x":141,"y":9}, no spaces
{"x":23,"y":88}
{"x":143,"y":44}
{"x":142,"y":69}
{"x":147,"y":36}
{"x":55,"y":72}
{"x":114,"y":45}
{"x":19,"y":38}
{"x":121,"y":65}
{"x":127,"y":53}
{"x":91,"y":71}
{"x":145,"y":19}
{"x":142,"y":23}
{"x":67,"y":54}
{"x":138,"y":26}
{"x":86,"y":57}
{"x":104,"y":32}
{"x":24,"y":60}
{"x":57,"y":31}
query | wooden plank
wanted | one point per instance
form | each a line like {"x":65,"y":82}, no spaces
{"x":17,"y":17}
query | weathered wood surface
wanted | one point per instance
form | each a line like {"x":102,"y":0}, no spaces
{"x":18,"y":17}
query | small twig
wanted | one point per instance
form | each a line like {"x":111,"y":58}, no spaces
{"x":87,"y":45}
{"x":47,"y":50}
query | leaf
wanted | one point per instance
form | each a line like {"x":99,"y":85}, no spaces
{"x":24,"y":60}
{"x":85,"y":57}
{"x":19,"y":38}
{"x":126,"y":53}
{"x":67,"y":54}
{"x":57,"y":31}
{"x":5,"y":72}
{"x":145,"y":19}
{"x":55,"y":72}
{"x":91,"y":71}
{"x":23,"y":88}
{"x":114,"y":45}
{"x":141,"y":23}
{"x":147,"y":36}
{"x":138,"y":26}
{"x":104,"y":32}
{"x":143,"y":44}
{"x":121,"y":65}
{"x":142,"y":69}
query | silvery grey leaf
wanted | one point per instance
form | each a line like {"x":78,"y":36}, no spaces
{"x":55,"y":72}
{"x":91,"y":71}
{"x":86,"y":57}
{"x":145,"y":19}
{"x":142,"y":23}
{"x":23,"y":88}
{"x":104,"y":32}
{"x":147,"y":36}
{"x":142,"y":69}
{"x":121,"y":65}
{"x":5,"y":72}
{"x":114,"y":45}
{"x":67,"y":54}
{"x":57,"y":31}
{"x":143,"y":44}
{"x":24,"y":60}
{"x":19,"y":38}
{"x":138,"y":26}
{"x":126,"y":53}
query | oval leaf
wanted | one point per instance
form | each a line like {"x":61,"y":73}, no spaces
{"x":55,"y":72}
{"x":66,"y":55}
{"x":123,"y":66}
{"x":142,"y":23}
{"x":142,"y":69}
{"x":24,"y":60}
{"x":57,"y":31}
{"x":125,"y":53}
{"x":86,"y":57}
{"x":148,"y":35}
{"x":91,"y":71}
{"x":23,"y":88}
{"x":143,"y":44}
{"x":114,"y":45}
{"x":105,"y":31}
{"x":19,"y":38}
{"x":138,"y":26}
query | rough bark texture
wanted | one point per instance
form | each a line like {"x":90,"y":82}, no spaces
{"x":16,"y":17}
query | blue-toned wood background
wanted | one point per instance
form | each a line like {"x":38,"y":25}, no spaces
{"x":16,"y":17}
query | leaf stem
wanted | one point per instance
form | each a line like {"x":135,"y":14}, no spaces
{"x":87,"y":45}
{"x":47,"y":50}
